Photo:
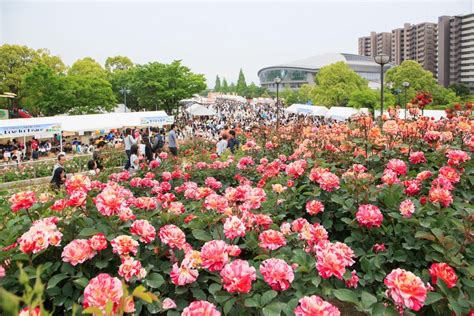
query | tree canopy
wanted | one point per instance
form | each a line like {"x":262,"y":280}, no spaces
{"x":335,"y":83}
{"x":161,"y":86}
{"x":45,"y":86}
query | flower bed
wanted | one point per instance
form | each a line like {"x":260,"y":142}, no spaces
{"x":294,"y":224}
{"x":39,"y":169}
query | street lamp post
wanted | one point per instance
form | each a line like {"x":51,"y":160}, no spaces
{"x":124,"y":91}
{"x":382,"y":60}
{"x":277,"y":81}
{"x":405,"y":87}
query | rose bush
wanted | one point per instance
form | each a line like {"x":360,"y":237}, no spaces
{"x":323,"y":221}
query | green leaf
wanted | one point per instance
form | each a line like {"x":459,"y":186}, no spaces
{"x":228,"y":306}
{"x":251,"y":302}
{"x":56,"y":279}
{"x":214,"y":287}
{"x":346,"y":296}
{"x":432,"y":297}
{"x":367,"y":299}
{"x":202,"y":235}
{"x":221,"y":296}
{"x":273,"y":309}
{"x":378,"y":309}
{"x":87,"y":232}
{"x":82,"y":282}
{"x":155,"y":280}
{"x":267,"y":297}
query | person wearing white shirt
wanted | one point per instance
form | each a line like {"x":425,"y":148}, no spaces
{"x":222,"y":145}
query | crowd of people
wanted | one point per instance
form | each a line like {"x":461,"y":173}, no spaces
{"x":233,"y":117}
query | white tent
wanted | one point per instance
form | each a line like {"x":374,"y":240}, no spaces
{"x":340,"y":113}
{"x":307,"y":109}
{"x":435,"y":114}
{"x":79,"y":123}
{"x":200,"y":110}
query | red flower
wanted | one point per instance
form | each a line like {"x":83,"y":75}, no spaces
{"x":444,"y":272}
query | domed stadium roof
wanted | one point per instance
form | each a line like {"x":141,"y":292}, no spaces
{"x":316,"y":62}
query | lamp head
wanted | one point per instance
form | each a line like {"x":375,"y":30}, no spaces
{"x":382,"y":59}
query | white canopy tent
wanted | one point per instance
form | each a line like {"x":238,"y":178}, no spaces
{"x":435,"y":114}
{"x":340,"y":113}
{"x":48,"y":126}
{"x":307,"y":109}
{"x":200,"y":110}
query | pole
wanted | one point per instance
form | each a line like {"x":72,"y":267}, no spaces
{"x":278,"y":108}
{"x":381,"y":93}
{"x":405,"y":101}
{"x":125,"y":99}
{"x":61,"y":141}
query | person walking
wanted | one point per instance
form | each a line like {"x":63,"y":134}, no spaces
{"x":232,"y":143}
{"x":172,"y":141}
{"x":129,"y":140}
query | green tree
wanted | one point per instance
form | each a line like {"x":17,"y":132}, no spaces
{"x":241,"y":86}
{"x":118,"y":63}
{"x":124,"y":79}
{"x":364,"y":98}
{"x":412,"y":72}
{"x":232,"y":88}
{"x":90,"y":94}
{"x":217,"y":85}
{"x":254,"y":91}
{"x":225,"y":86}
{"x":443,"y":96}
{"x":335,"y":83}
{"x":46,"y":92}
{"x":460,"y":89}
{"x":161,"y":86}
{"x":87,"y":67}
{"x":53,"y":62}
{"x":15,"y":62}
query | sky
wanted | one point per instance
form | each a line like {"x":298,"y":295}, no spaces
{"x":210,"y":37}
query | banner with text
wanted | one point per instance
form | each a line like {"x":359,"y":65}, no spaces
{"x":157,"y":120}
{"x":27,"y":130}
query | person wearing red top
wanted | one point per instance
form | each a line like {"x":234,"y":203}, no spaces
{"x":34,"y":148}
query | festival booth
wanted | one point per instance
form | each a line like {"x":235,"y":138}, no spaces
{"x":307,"y":109}
{"x":340,"y":113}
{"x":46,"y":127}
{"x":38,"y":127}
{"x":200,"y":110}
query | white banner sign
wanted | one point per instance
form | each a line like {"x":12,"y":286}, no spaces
{"x":26,"y":130}
{"x":157,"y":120}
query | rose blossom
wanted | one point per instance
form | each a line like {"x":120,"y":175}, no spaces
{"x":200,"y":308}
{"x":237,"y":276}
{"x":144,"y":229}
{"x":444,"y":272}
{"x":277,"y":273}
{"x":271,"y":239}
{"x":101,"y":290}
{"x":369,"y":215}
{"x":315,"y":306}
{"x":313,"y":207}
{"x":172,"y":236}
{"x":123,"y":245}
{"x":98,"y":242}
{"x":406,"y":289}
{"x":407,"y":208}
{"x":234,"y":227}
{"x":131,"y":268}
{"x":78,"y":251}
{"x":22,"y":200}
{"x":168,"y":303}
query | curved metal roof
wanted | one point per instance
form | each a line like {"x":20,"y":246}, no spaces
{"x":318,"y":61}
